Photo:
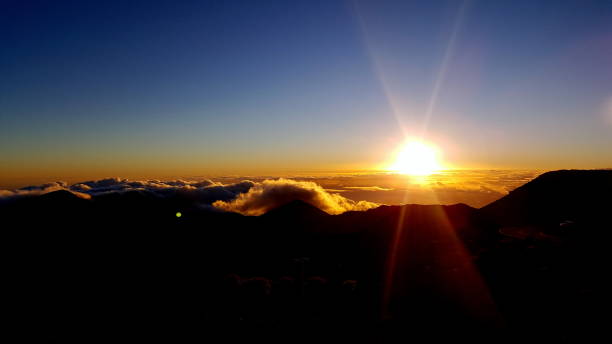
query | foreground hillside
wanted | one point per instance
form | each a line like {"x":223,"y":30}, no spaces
{"x":123,"y":264}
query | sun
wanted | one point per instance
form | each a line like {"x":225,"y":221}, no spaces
{"x":416,"y":158}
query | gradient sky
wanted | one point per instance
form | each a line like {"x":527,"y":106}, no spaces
{"x":152,"y":88}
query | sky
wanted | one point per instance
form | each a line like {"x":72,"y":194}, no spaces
{"x":149,"y":89}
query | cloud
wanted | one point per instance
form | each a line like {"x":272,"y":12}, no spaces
{"x":473,"y":187}
{"x":270,"y":194}
{"x":245,"y":197}
{"x":216,"y":192}
{"x":333,"y":194}
{"x":203,"y":192}
{"x":96,"y":187}
{"x":368,"y":188}
{"x":35,"y":190}
{"x":200,"y":194}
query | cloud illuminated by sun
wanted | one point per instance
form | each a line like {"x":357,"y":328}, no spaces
{"x":416,"y":158}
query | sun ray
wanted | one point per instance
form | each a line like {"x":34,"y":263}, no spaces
{"x":450,"y":47}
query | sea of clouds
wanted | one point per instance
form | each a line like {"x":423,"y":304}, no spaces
{"x":333,"y":194}
{"x":245,"y":197}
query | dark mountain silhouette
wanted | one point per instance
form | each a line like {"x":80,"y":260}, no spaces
{"x":51,"y":199}
{"x":59,"y":196}
{"x":123,"y":264}
{"x":557,"y":196}
{"x":297,"y":210}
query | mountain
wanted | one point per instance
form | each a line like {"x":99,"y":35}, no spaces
{"x":32,"y":209}
{"x":60,"y":196}
{"x":124,"y":262}
{"x":554,"y":197}
{"x":296,"y":210}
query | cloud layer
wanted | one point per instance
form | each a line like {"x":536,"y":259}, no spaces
{"x":333,"y":194}
{"x":270,"y":194}
{"x":35,"y":190}
{"x":245,"y":197}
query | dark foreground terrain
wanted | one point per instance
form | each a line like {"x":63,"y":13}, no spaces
{"x":123,"y":267}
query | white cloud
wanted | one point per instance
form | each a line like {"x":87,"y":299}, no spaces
{"x":270,"y":194}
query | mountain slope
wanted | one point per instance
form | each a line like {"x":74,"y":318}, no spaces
{"x":553,"y":197}
{"x":296,"y":209}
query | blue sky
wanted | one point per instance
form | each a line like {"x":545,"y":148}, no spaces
{"x":166,"y":87}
